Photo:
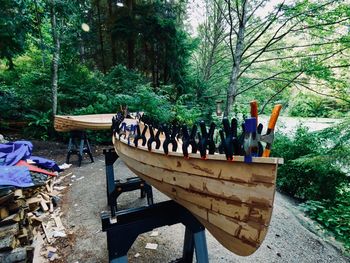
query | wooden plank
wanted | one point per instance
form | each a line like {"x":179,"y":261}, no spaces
{"x":242,"y":193}
{"x":219,"y":169}
{"x":43,"y":205}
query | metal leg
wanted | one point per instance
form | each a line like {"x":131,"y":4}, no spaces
{"x":188,"y":249}
{"x":123,"y":259}
{"x":70,"y":145}
{"x":149,"y":192}
{"x":200,"y":244}
{"x":110,"y":157}
{"x":88,"y":148}
{"x":130,"y":223}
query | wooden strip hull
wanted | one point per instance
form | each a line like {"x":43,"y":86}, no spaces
{"x":233,"y":200}
{"x":83,"y":122}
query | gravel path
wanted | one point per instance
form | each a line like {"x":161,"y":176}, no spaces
{"x":287,"y":240}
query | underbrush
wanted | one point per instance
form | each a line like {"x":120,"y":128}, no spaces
{"x":316,"y":171}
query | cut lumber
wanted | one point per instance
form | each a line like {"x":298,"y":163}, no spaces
{"x":4,"y":212}
{"x":18,"y":193}
{"x":43,"y":205}
{"x":33,"y":203}
{"x":46,"y":233}
{"x":58,"y":222}
{"x":15,"y":218}
{"x":9,"y":230}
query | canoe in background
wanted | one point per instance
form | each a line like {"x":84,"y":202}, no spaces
{"x":232,"y":199}
{"x":83,"y":122}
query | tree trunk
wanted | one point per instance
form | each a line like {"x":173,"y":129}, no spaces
{"x":131,"y":40}
{"x":81,"y":49}
{"x":237,"y":57}
{"x":55,"y":58}
{"x":110,"y":11}
{"x":40,"y":34}
{"x":10,"y":63}
{"x":101,"y":37}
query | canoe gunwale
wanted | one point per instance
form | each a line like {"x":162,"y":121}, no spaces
{"x":218,"y":157}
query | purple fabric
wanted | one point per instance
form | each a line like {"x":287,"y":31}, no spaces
{"x":45,"y":163}
{"x":15,"y":175}
{"x":12,"y":152}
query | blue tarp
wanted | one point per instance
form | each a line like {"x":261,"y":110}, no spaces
{"x":10,"y":154}
{"x":16,"y":176}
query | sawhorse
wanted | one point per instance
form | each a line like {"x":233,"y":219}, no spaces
{"x":117,"y":187}
{"x":84,"y":146}
{"x":131,"y":223}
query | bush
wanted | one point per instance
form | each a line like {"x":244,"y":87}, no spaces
{"x":333,"y":215}
{"x":315,"y":171}
{"x":308,"y":173}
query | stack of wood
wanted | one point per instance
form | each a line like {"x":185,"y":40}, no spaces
{"x":29,"y":219}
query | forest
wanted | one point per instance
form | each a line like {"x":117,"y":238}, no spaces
{"x":94,"y":56}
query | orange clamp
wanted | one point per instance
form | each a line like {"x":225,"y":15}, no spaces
{"x":274,"y":116}
{"x":254,"y":110}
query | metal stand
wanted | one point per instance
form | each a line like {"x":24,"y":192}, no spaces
{"x":84,"y":146}
{"x":117,"y":187}
{"x":122,"y":232}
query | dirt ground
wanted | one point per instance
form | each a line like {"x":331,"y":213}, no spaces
{"x":291,"y":236}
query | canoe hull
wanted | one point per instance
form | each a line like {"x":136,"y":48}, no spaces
{"x":83,"y":122}
{"x":233,"y":200}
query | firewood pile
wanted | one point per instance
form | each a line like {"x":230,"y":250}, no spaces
{"x":30,"y":222}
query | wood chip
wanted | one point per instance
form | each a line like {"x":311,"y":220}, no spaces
{"x":58,"y":222}
{"x":46,"y":233}
{"x":44,"y":206}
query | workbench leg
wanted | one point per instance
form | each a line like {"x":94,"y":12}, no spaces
{"x":123,"y":259}
{"x":200,"y":244}
{"x":149,"y":193}
{"x":187,"y":253}
{"x":81,"y":151}
{"x":88,"y":148}
{"x":110,"y":157}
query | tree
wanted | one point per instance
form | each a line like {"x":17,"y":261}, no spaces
{"x":317,"y":40}
{"x":15,"y":23}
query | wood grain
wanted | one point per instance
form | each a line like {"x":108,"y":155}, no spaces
{"x":233,"y":200}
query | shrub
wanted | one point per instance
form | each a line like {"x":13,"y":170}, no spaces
{"x":333,"y":215}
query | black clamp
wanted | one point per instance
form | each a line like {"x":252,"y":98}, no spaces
{"x":153,"y":138}
{"x":170,"y":138}
{"x":140,"y":135}
{"x":229,"y":144}
{"x":116,"y":121}
{"x":206,"y":140}
{"x":189,"y":139}
{"x":258,"y":134}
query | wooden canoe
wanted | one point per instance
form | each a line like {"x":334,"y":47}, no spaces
{"x":232,"y":199}
{"x":83,"y":122}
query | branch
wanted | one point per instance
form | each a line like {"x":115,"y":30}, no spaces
{"x":323,"y":94}
{"x":296,"y":56}
{"x":297,"y":46}
{"x":279,"y":91}
{"x":256,"y":8}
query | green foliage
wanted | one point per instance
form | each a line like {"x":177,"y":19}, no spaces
{"x":316,"y":106}
{"x":308,"y":172}
{"x":40,"y":124}
{"x":15,"y":22}
{"x":315,"y":170}
{"x":333,"y":215}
